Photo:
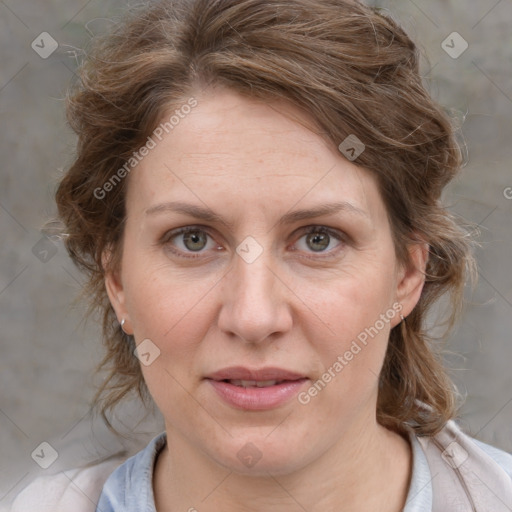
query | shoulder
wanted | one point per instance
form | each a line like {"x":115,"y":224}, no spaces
{"x":453,"y":433}
{"x":502,"y":458}
{"x":455,"y":447}
{"x":76,"y":489}
{"x":470,"y":473}
{"x":130,"y":484}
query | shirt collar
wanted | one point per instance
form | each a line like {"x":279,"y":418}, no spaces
{"x":130,"y":487}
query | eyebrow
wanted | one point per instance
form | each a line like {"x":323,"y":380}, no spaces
{"x":205,"y":214}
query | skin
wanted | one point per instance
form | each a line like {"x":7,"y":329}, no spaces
{"x":293,"y":307}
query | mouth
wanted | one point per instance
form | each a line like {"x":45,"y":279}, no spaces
{"x":253,"y":383}
{"x":256,"y":389}
{"x":240,"y":374}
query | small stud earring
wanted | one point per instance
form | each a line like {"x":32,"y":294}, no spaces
{"x":122,"y":325}
{"x":401,"y":317}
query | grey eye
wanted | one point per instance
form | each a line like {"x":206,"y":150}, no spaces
{"x":195,"y":240}
{"x":318,"y":241}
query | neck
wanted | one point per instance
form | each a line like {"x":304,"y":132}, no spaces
{"x":368,"y":468}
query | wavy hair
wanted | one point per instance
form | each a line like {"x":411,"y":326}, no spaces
{"x":354,"y":71}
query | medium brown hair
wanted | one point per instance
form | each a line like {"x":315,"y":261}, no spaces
{"x":354,"y":71}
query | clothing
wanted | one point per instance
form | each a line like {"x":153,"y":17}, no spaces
{"x":138,"y":469}
{"x":129,"y":487}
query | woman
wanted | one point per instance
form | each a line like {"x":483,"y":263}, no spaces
{"x":255,"y":199}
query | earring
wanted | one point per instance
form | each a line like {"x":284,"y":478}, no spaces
{"x":401,"y":318}
{"x":122,"y":325}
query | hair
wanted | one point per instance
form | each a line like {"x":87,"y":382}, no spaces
{"x":354,"y":71}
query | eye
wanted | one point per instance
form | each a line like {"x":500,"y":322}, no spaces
{"x":319,"y":239}
{"x":190,"y":239}
{"x":195,"y":240}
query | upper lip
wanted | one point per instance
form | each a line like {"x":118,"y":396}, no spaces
{"x":256,"y":374}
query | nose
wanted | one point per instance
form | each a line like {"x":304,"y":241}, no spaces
{"x":255,"y":305}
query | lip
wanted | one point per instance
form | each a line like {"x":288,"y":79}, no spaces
{"x":254,"y":398}
{"x":243,"y":373}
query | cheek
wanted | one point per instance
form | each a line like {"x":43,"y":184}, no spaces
{"x":350,"y":327}
{"x":163,"y":301}
{"x":175,"y":313}
{"x":344,"y":305}
{"x":350,"y":359}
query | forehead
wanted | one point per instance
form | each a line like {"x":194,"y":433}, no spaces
{"x":235,"y":147}
{"x":225,"y":128}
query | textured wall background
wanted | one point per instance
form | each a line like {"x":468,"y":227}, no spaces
{"x":47,"y":355}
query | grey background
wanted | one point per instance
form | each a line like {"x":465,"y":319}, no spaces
{"x":47,"y":354}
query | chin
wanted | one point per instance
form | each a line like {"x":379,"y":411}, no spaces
{"x":256,"y":455}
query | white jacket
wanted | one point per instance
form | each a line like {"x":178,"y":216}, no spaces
{"x":464,"y":478}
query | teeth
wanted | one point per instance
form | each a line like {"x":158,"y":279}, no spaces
{"x":253,"y":383}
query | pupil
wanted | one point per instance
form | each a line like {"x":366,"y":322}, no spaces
{"x":194,"y":241}
{"x":318,"y":241}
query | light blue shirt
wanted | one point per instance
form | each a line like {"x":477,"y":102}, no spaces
{"x":130,"y":487}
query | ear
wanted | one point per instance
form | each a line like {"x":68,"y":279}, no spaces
{"x":115,"y":292}
{"x":411,"y":277}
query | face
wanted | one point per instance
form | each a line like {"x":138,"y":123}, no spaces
{"x":255,"y":255}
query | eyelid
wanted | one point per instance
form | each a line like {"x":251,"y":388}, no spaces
{"x":316,"y":228}
{"x":166,"y":238}
{"x":319,"y":228}
{"x":171,"y":233}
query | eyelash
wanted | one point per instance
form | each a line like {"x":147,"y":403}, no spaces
{"x":170,"y":235}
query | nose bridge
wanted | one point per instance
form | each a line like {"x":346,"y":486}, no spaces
{"x":253,"y":305}
{"x":254,"y":280}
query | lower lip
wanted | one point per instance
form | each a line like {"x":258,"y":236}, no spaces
{"x":257,"y":399}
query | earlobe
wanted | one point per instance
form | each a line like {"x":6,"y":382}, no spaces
{"x":412,"y":278}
